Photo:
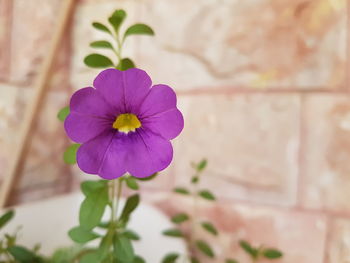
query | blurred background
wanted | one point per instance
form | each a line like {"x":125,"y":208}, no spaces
{"x":263,"y":85}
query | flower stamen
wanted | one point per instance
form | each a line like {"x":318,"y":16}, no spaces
{"x":126,"y":122}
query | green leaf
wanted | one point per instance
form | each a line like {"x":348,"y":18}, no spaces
{"x":5,"y":218}
{"x":230,"y":260}
{"x":138,"y":259}
{"x":98,"y":61}
{"x":101,"y":44}
{"x":87,"y":187}
{"x":194,"y":260}
{"x":91,"y":257}
{"x":123,"y":249}
{"x":181,"y":190}
{"x":131,"y":235}
{"x":206,"y":194}
{"x":201,"y":165}
{"x":21,"y":254}
{"x":173,"y":232}
{"x":101,"y":27}
{"x":92,"y":208}
{"x":125,"y":64}
{"x":195,"y":179}
{"x":149,"y":178}
{"x":272,"y":253}
{"x":70,"y":154}
{"x":105,"y":244}
{"x":253,"y":252}
{"x":179,"y":218}
{"x":170,"y":258}
{"x":81,"y":235}
{"x":131,"y":203}
{"x":117,"y":19}
{"x":132,"y":183}
{"x":205,"y":248}
{"x":210,"y":228}
{"x":63,"y":113}
{"x":139,"y":29}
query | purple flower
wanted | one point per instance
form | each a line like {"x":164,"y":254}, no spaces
{"x":124,"y":124}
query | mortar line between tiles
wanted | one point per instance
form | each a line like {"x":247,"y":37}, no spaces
{"x":329,"y":226}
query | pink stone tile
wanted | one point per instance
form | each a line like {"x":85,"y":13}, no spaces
{"x":251,"y":142}
{"x":258,"y":43}
{"x":5,"y":42}
{"x":339,"y":243}
{"x":32,"y":30}
{"x":301,"y":236}
{"x":326,"y":180}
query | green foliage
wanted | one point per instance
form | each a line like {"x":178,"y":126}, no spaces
{"x":66,"y":254}
{"x":7,"y":217}
{"x":179,"y":218}
{"x":101,"y":27}
{"x":195,"y":179}
{"x":132,"y":183}
{"x":125,"y":64}
{"x":173,"y":232}
{"x":70,"y":155}
{"x":81,"y":235}
{"x":181,"y":190}
{"x":91,"y":257}
{"x":138,"y":259}
{"x":139,"y":29}
{"x":63,"y":113}
{"x":170,"y":258}
{"x":253,"y":252}
{"x":194,"y":260}
{"x":98,"y":61}
{"x":230,"y":260}
{"x":93,"y":207}
{"x":209,"y":227}
{"x":23,"y":255}
{"x":87,"y":187}
{"x":131,"y":203}
{"x":272,"y":253}
{"x":205,"y":248}
{"x":201,"y":165}
{"x":116,"y":19}
{"x":101,"y":44}
{"x":149,"y":178}
{"x":131,"y":235}
{"x":206,"y":194}
{"x":123,"y":249}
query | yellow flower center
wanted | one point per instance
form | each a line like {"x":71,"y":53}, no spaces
{"x":126,"y":122}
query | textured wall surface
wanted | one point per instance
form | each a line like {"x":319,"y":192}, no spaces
{"x":264,"y":87}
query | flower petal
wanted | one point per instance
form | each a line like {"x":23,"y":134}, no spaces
{"x":81,"y":128}
{"x":124,"y":90}
{"x":168,"y":124}
{"x":103,"y":156}
{"x":148,"y":153}
{"x":88,"y":101}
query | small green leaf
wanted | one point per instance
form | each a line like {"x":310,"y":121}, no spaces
{"x":132,"y":183}
{"x":123,"y":249}
{"x":131,"y":235}
{"x":97,"y":61}
{"x":81,"y":235}
{"x":138,"y":259}
{"x":5,"y":218}
{"x":170,"y":258}
{"x":173,"y":232}
{"x":272,"y":253}
{"x":209,"y":227}
{"x":131,"y":203}
{"x":179,"y":218}
{"x":101,"y":27}
{"x":92,"y":208}
{"x":253,"y":252}
{"x":101,"y":44}
{"x":70,"y":155}
{"x":91,"y":257}
{"x":195,"y":179}
{"x":63,"y":113}
{"x":194,"y":260}
{"x":181,"y":190}
{"x":105,"y":244}
{"x":230,"y":260}
{"x":125,"y":64}
{"x":139,"y":29}
{"x":201,"y":165}
{"x":21,"y":254}
{"x":87,"y":187}
{"x":206,"y":194}
{"x":205,"y":248}
{"x":149,"y":178}
{"x":117,"y":19}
